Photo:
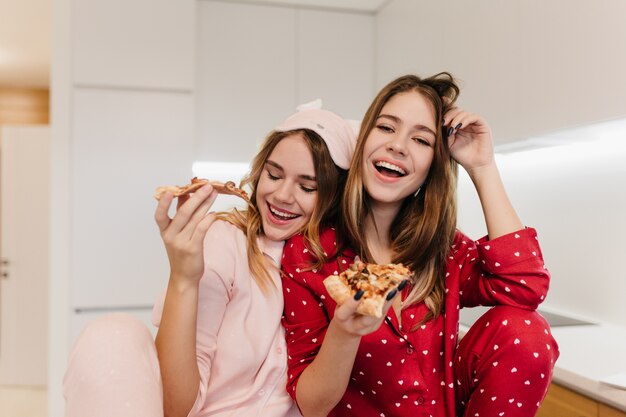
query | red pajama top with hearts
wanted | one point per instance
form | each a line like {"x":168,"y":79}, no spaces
{"x":407,"y":370}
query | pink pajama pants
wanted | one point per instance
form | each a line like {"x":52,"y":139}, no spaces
{"x":503,"y":365}
{"x":113,"y":371}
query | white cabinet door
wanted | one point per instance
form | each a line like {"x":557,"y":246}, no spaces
{"x":24,"y":201}
{"x":124,"y":145}
{"x":137,"y":44}
{"x":336,"y":60}
{"x":245,"y":76}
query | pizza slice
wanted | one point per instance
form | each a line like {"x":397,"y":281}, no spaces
{"x":228,"y":188}
{"x":375,"y":280}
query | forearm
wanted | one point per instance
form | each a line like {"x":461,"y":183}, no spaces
{"x":323,"y":383}
{"x":500,"y":216}
{"x":176,"y":348}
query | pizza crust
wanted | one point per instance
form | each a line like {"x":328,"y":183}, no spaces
{"x":337,"y":289}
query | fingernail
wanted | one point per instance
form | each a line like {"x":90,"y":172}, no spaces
{"x":358,"y":295}
{"x":457,"y":127}
{"x":403,"y":284}
{"x":391,"y":294}
{"x":450,"y":130}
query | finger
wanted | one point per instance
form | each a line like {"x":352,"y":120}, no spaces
{"x":451,"y":120}
{"x":161,"y":214}
{"x":189,"y":229}
{"x":454,"y":117}
{"x":389,"y":300}
{"x":202,"y":228}
{"x":402,"y":285}
{"x":465,"y":122}
{"x":189,"y":207}
{"x":348,"y":308}
{"x":451,"y":114}
{"x":471,"y":120}
{"x":181,"y":200}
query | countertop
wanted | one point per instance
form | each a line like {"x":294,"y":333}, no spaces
{"x":589,"y":354}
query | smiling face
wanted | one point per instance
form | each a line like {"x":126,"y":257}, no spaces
{"x":286,"y":193}
{"x":399,"y":150}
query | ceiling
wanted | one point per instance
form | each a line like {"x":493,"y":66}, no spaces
{"x":26,"y":27}
{"x":370,"y":6}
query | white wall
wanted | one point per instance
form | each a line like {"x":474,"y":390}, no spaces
{"x":256,"y":63}
{"x":573,"y":195}
{"x":529,"y":66}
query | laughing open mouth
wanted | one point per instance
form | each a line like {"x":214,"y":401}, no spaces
{"x":280,"y":214}
{"x":388,"y":169}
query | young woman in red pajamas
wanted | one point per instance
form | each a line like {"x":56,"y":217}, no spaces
{"x":399,"y":205}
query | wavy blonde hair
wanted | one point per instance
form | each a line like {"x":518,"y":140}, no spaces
{"x":422,"y":233}
{"x":330,"y":180}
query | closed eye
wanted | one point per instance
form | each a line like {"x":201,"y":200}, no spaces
{"x":308,"y":189}
{"x":422,"y":141}
{"x":272,"y":177}
{"x":385,"y":128}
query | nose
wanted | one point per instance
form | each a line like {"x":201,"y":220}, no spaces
{"x":397,"y":144}
{"x":284,"y":192}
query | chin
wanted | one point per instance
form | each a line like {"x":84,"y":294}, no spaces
{"x":387,"y":196}
{"x":277,"y":235}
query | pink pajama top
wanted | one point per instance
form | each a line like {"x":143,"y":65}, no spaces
{"x":241,"y":348}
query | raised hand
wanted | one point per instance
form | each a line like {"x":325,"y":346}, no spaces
{"x":469,"y":139}
{"x":184,"y":234}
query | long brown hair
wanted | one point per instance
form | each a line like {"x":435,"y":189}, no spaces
{"x":422,"y":232}
{"x":330,"y":180}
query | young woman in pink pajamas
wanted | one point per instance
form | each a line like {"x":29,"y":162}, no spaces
{"x":220,"y":349}
{"x":399,"y":205}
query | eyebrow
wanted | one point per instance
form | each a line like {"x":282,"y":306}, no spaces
{"x":398,"y":120}
{"x":279,"y":167}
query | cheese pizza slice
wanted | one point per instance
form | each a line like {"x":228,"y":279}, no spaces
{"x":228,"y":188}
{"x":376,"y":281}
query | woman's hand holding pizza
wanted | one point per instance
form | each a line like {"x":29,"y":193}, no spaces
{"x":363,"y":294}
{"x":349,"y":321}
{"x":184,"y":234}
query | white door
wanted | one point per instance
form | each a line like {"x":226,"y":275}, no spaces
{"x":24,"y":195}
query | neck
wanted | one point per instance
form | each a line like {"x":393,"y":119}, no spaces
{"x":377,"y":230}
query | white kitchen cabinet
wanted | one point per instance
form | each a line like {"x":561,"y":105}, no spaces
{"x":124,"y":145}
{"x":246,"y":76}
{"x":134,"y":44}
{"x":257,"y":63}
{"x":335,"y":60}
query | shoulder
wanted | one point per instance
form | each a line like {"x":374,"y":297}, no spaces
{"x":224,"y":236}
{"x":462,"y":242}
{"x":224,"y":228}
{"x":297,"y":243}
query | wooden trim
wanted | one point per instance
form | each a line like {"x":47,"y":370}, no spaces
{"x":563,"y":402}
{"x":20,"y":106}
{"x":606,"y":411}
